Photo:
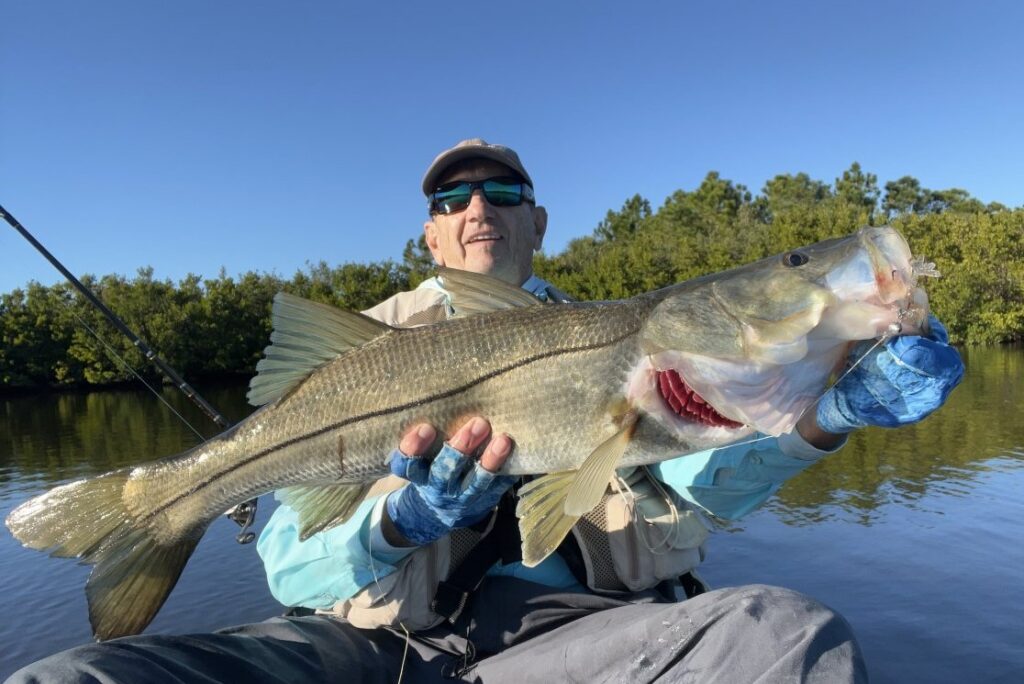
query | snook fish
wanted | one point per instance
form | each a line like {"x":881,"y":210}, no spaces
{"x":582,"y":388}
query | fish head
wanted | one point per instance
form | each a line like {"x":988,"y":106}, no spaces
{"x":754,"y":347}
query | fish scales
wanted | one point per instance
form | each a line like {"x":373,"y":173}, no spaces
{"x":528,"y":368}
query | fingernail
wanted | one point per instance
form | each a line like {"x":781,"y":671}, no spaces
{"x":501,"y":445}
{"x":426,"y":431}
{"x":478,"y":428}
{"x":407,"y":447}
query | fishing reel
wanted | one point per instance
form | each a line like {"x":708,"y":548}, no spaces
{"x":244,"y":515}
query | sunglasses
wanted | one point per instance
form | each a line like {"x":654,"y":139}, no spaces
{"x":499,"y":192}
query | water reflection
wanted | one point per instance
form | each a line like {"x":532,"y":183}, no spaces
{"x":885,"y":532}
{"x":51,"y":438}
{"x":976,"y":432}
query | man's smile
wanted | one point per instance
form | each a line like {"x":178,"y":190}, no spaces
{"x":482,"y":237}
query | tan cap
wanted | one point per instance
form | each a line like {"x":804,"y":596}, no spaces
{"x":472,"y":149}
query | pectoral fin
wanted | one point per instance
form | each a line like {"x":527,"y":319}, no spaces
{"x":549,"y":506}
{"x":588,"y":488}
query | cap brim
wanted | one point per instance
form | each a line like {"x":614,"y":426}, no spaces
{"x":458,"y":154}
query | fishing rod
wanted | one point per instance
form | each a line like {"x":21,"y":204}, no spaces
{"x":244,"y":514}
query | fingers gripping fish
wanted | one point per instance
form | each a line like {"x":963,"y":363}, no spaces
{"x":583,"y":388}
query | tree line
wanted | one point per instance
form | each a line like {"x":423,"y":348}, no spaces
{"x":219,"y":326}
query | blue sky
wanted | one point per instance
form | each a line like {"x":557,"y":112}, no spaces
{"x":192,"y":136}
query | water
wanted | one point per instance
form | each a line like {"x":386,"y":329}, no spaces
{"x":913,"y":535}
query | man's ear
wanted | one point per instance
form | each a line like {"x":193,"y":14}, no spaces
{"x":540,"y":225}
{"x":430,"y":235}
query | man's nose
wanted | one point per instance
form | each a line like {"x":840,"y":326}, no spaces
{"x":478,"y":204}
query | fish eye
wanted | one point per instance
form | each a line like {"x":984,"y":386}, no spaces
{"x":794,"y":259}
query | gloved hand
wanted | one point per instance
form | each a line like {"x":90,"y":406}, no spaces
{"x":451,"y":491}
{"x":898,"y":383}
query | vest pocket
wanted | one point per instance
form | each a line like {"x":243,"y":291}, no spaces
{"x":653,"y":535}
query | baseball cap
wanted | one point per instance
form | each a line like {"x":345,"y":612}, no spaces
{"x":472,"y":148}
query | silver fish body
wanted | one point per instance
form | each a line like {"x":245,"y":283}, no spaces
{"x":574,"y":385}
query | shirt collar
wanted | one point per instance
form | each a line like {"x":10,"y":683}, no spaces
{"x":537,"y":286}
{"x":533,"y":284}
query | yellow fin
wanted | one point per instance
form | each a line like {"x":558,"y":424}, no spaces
{"x":474,"y":293}
{"x":543,"y":523}
{"x":593,"y":476}
{"x":385,"y":485}
{"x":549,"y":506}
{"x":322,"y":506}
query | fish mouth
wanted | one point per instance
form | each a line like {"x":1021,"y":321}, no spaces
{"x":687,"y":404}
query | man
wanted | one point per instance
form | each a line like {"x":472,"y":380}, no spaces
{"x":424,"y":583}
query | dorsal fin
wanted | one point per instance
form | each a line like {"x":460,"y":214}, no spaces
{"x":306,"y":335}
{"x":474,"y":293}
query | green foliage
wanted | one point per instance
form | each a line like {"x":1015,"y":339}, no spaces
{"x":217,"y":326}
{"x":417,"y":262}
{"x":980,"y":295}
{"x":978,"y":248}
{"x":202,"y":327}
{"x":857,"y":188}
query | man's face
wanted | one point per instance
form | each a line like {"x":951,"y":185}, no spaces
{"x":496,"y":241}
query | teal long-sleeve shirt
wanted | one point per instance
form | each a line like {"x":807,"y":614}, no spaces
{"x":727,"y":482}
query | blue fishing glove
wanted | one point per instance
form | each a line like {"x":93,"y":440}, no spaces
{"x":898,"y":383}
{"x":449,"y":492}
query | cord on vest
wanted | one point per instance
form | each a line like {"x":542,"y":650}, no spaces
{"x":394,"y":613}
{"x":666,"y":543}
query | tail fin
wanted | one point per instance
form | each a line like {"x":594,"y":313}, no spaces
{"x":87,"y":519}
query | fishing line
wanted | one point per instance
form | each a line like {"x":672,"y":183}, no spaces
{"x":127,"y":365}
{"x":664,"y":545}
{"x":890,"y":333}
{"x":893,"y":331}
{"x":244,"y":514}
{"x":150,"y":355}
{"x":394,"y":613}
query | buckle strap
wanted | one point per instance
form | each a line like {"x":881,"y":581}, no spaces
{"x":454,"y":593}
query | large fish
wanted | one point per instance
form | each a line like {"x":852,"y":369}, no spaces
{"x":582,"y":388}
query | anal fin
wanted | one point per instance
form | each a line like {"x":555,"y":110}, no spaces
{"x":320,"y":507}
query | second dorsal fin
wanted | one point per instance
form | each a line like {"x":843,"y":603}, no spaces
{"x":306,"y":335}
{"x":474,"y":293}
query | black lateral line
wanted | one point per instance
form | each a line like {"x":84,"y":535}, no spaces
{"x":383,"y":412}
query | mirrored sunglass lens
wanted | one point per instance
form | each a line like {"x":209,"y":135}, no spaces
{"x":503,"y":194}
{"x":456,"y":198}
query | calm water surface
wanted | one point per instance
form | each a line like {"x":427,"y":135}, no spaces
{"x":914,"y":535}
